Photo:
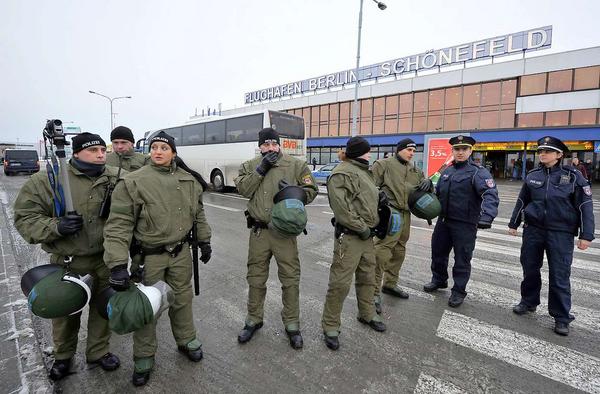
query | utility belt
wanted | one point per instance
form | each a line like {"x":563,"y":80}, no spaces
{"x":339,"y":229}
{"x":254,"y":224}
{"x":137,"y":248}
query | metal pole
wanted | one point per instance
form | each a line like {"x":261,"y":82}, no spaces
{"x":112,"y":126}
{"x":355,"y":104}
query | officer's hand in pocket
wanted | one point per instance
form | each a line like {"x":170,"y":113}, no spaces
{"x":484,"y":225}
{"x":206,"y":251}
{"x":426,"y":185}
{"x":69,"y":224}
{"x":119,"y":278}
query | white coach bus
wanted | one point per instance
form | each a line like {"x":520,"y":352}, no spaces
{"x":217,"y":145}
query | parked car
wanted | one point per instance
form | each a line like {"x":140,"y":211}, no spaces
{"x":20,"y":160}
{"x":322,"y":174}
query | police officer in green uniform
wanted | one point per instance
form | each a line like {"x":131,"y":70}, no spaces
{"x":354,"y":199}
{"x":157,"y":205}
{"x":75,"y":239}
{"x":397,"y":177}
{"x":259,"y":179}
{"x":123,"y":154}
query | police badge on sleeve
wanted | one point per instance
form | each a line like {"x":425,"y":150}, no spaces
{"x":587,"y":190}
{"x":489,"y":182}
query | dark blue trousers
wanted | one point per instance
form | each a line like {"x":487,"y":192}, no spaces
{"x":448,"y":235}
{"x":559,"y":251}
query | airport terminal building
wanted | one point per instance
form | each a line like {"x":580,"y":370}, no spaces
{"x":489,"y":89}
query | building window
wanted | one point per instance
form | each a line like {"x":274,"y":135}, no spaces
{"x":587,"y":78}
{"x":323,"y":120}
{"x":334,"y":113}
{"x":420,"y":111}
{"x":534,"y":119}
{"x":533,"y":84}
{"x":490,"y":93}
{"x":391,"y":114}
{"x":453,"y":99}
{"x":436,"y":100}
{"x":489,"y":119}
{"x":560,"y":81}
{"x":314,"y":121}
{"x":378,"y":115}
{"x":583,"y":116}
{"x":345,"y":118}
{"x":366,"y":116}
{"x":509,"y":91}
{"x":557,"y":118}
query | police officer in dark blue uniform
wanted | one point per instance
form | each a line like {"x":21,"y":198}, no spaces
{"x":469,"y":199}
{"x":555,"y":203}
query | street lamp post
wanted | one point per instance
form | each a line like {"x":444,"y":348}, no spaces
{"x":382,"y":7}
{"x":111,"y":105}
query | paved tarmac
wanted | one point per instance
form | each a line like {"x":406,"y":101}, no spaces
{"x":428,"y":347}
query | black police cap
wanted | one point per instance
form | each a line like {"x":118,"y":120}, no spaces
{"x":462,"y":140}
{"x":549,"y":142}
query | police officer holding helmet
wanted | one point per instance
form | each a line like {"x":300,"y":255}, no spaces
{"x":158,"y":205}
{"x":260,"y":179}
{"x":76,"y":239}
{"x":354,"y":199}
{"x":555,"y":204}
{"x":469,"y":201}
{"x":397,"y":177}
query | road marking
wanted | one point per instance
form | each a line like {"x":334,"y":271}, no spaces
{"x":222,"y":207}
{"x":427,"y":384}
{"x":327,"y":212}
{"x":552,"y":361}
{"x":228,"y":196}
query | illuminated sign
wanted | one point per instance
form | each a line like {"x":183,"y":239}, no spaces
{"x":508,"y":44}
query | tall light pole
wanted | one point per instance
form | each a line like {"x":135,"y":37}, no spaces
{"x":111,"y":105}
{"x":382,"y":7}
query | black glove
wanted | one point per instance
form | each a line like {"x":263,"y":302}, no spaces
{"x":69,"y":224}
{"x":383,"y":198}
{"x":206,"y":251}
{"x":484,"y":225}
{"x":426,"y":185}
{"x":119,"y":278}
{"x":267,"y":162}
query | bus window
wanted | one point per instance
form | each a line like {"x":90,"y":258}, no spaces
{"x":287,"y":125}
{"x":193,"y":135}
{"x":175,"y":132}
{"x":244,"y":129}
{"x":215,"y":132}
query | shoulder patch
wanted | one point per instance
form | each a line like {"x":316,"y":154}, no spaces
{"x":587,"y":190}
{"x":307,"y":179}
{"x":489,"y":182}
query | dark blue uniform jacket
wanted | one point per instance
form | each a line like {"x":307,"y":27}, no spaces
{"x":557,"y":199}
{"x":468,"y":193}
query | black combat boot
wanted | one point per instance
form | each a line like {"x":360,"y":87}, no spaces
{"x":140,"y":378}
{"x":60,"y":369}
{"x":108,"y":362}
{"x":561,"y":328}
{"x":375,"y":325}
{"x":433,"y":286}
{"x":248,"y":331}
{"x":395,"y":291}
{"x":456,"y":299}
{"x":193,"y":350}
{"x":521,"y":308}
{"x":295,"y":338}
{"x":331,"y":341}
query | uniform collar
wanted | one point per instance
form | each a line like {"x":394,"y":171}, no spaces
{"x":364,"y":166}
{"x":461,"y":164}
{"x":164,"y":169}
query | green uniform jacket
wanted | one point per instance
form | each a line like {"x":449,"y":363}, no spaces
{"x":397,"y":180}
{"x":353,"y":196}
{"x":36,"y":220}
{"x":158,"y":206}
{"x":130,"y":161}
{"x":260,"y":190}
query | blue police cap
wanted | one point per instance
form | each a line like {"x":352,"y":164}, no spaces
{"x":462,"y":140}
{"x":549,"y":142}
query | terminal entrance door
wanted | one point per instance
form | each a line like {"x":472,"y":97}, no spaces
{"x":495,"y":162}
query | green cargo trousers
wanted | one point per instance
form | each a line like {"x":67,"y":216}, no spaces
{"x":264,"y":244}
{"x":390,"y":253}
{"x":351,"y":256}
{"x":177,"y":273}
{"x":65,"y":330}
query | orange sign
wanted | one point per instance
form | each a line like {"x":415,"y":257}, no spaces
{"x":438,"y":151}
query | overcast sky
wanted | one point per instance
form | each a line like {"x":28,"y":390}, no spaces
{"x":175,"y":56}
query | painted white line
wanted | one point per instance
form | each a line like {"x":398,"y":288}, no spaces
{"x":427,"y":384}
{"x":327,"y":212}
{"x":222,"y":207}
{"x":555,"y":362}
{"x":228,"y":196}
{"x":577,"y":284}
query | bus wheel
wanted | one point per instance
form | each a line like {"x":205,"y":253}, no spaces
{"x":218,"y":181}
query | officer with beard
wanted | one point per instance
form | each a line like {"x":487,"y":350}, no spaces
{"x":259,"y":179}
{"x":74,"y":237}
{"x":123,"y":154}
{"x":469,"y":199}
